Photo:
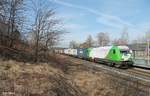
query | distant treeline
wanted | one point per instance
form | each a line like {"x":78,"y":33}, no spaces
{"x":104,"y":39}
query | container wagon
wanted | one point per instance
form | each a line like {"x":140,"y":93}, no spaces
{"x":80,"y":52}
{"x":74,"y":52}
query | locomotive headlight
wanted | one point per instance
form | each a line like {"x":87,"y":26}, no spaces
{"x":126,"y":57}
{"x":122,"y":59}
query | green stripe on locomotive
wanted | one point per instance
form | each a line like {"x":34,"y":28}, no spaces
{"x":114,"y":54}
{"x":86,"y":52}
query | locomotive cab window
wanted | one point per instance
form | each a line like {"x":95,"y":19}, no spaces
{"x":114,"y":51}
{"x":124,"y":51}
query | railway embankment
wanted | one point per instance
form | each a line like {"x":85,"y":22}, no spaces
{"x":123,"y":82}
{"x":67,"y":76}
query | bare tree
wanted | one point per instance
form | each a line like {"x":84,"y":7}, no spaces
{"x":119,"y":42}
{"x":2,"y":10}
{"x":124,"y":38}
{"x":15,"y":18}
{"x":103,"y":39}
{"x":83,"y":45}
{"x":73,"y":44}
{"x":2,"y":20}
{"x":89,"y":41}
{"x":43,"y":26}
{"x":11,"y":12}
{"x":44,"y":29}
{"x":52,"y":34}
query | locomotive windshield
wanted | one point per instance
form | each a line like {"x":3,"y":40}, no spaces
{"x":125,"y":51}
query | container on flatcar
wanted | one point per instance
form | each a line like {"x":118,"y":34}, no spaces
{"x":69,"y":51}
{"x":74,"y":52}
{"x":80,"y":52}
{"x":66,"y":51}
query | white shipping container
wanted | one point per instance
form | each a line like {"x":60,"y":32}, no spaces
{"x":74,"y":52}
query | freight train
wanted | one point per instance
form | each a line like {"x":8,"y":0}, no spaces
{"x":118,"y":56}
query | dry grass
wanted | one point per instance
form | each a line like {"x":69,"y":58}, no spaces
{"x":22,"y":79}
{"x":60,"y":79}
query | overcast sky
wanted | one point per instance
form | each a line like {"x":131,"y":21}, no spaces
{"x":84,"y":17}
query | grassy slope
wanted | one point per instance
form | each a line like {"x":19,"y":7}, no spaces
{"x":56,"y":79}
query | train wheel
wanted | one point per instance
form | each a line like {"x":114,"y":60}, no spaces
{"x":94,"y":60}
{"x":117,"y":65}
{"x":111,"y":64}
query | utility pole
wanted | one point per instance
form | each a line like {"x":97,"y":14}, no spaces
{"x":148,"y":46}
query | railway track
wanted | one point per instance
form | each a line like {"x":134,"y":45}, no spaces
{"x":139,"y":71}
{"x":134,"y":73}
{"x":135,"y":78}
{"x":130,"y":79}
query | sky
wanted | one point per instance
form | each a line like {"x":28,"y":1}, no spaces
{"x":89,"y":17}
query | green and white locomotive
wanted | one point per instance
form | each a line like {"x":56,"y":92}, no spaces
{"x":118,"y":56}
